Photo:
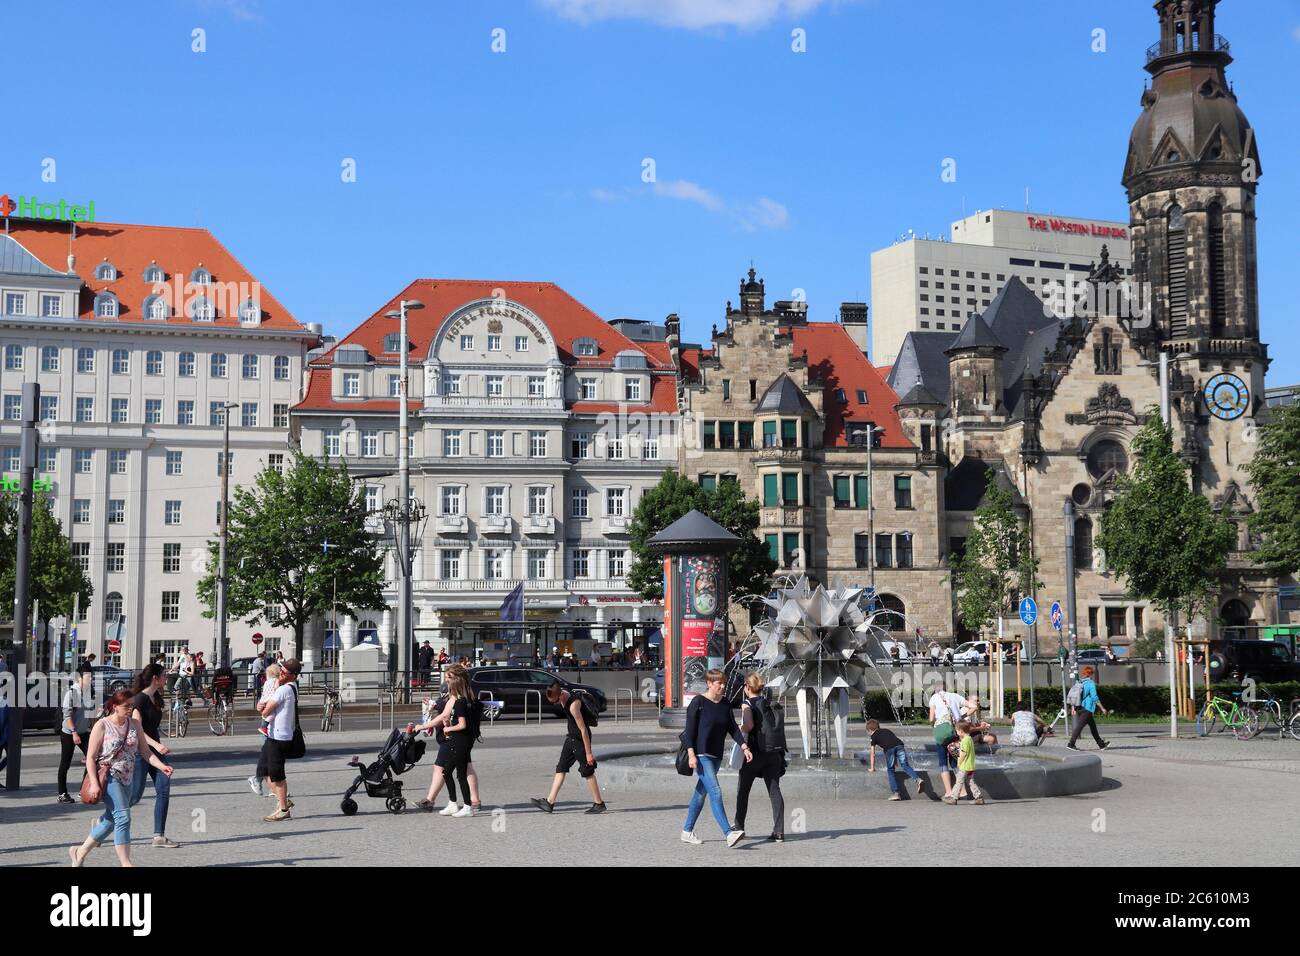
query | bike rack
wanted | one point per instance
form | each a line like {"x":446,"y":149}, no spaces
{"x":338,"y":711}
{"x":173,"y":727}
{"x":491,"y":698}
{"x":528,"y":696}
{"x":387,"y":692}
{"x":631,"y":702}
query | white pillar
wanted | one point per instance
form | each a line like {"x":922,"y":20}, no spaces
{"x":386,"y":629}
{"x":347,"y":636}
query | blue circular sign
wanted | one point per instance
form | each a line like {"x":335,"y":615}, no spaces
{"x":1028,"y":610}
{"x":1057,"y":616}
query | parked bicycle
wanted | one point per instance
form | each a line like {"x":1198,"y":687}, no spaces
{"x":1219,"y":713}
{"x":330,"y":709}
{"x":179,"y":724}
{"x":1266,"y":712}
{"x":1293,"y":722}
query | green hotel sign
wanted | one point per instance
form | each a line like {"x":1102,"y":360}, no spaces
{"x":29,"y":207}
{"x":14,"y":485}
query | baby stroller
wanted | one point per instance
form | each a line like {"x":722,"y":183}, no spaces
{"x":402,"y":752}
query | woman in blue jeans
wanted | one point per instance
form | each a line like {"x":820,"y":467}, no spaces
{"x":115,"y":742}
{"x":708,"y":723}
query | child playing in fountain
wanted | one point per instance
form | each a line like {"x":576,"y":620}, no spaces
{"x":895,"y":756}
{"x":965,"y":767}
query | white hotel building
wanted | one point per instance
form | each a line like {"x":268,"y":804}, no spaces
{"x":536,"y":426}
{"x":935,"y":284}
{"x":139,"y":336}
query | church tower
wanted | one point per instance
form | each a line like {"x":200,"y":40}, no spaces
{"x":1191,"y":173}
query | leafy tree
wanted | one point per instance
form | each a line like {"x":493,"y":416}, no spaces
{"x":1275,"y":474}
{"x":751,"y":566}
{"x":1159,"y":536}
{"x":1148,"y":644}
{"x":57,"y":578}
{"x":278,"y":565}
{"x":998,"y":565}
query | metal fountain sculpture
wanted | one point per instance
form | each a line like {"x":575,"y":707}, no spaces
{"x":815,"y":645}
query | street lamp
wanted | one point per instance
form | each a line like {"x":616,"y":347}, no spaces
{"x":872,"y":432}
{"x":223,"y":646}
{"x":404,"y":602}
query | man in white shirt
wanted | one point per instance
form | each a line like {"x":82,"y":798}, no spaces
{"x":281,"y":710}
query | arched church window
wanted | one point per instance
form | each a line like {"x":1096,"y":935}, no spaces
{"x":1083,"y":543}
{"x":1176,"y":268}
{"x":1105,"y":456}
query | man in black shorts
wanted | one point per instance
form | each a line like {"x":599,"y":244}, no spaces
{"x":576,"y":749}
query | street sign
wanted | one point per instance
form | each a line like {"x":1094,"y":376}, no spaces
{"x":113,"y":647}
{"x":1057,"y":616}
{"x":257,"y":638}
{"x":1028,"y":610}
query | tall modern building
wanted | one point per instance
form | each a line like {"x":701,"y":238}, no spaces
{"x":140,"y":337}
{"x":934,"y":285}
{"x":536,"y":426}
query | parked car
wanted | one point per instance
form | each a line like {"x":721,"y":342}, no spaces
{"x":511,"y":685}
{"x":1092,"y":655}
{"x":1260,"y":660}
{"x":977,"y":652}
{"x":112,"y":679}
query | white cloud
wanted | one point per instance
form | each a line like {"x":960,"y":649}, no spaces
{"x":691,"y":192}
{"x":690,"y":14}
{"x":750,"y":215}
{"x":765,"y":213}
{"x":601,"y":194}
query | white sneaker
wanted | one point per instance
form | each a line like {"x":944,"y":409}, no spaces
{"x":691,"y":838}
{"x":734,"y":837}
{"x":466,"y":811}
{"x":450,"y":810}
{"x":255,"y":784}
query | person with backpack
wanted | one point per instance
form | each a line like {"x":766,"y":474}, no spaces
{"x":895,"y":756}
{"x":763,"y":724}
{"x":581,"y":714}
{"x":458,"y":723}
{"x":945,"y":711}
{"x":708,"y":722}
{"x":1085,"y":702}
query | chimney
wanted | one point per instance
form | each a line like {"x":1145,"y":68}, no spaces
{"x":853,"y":316}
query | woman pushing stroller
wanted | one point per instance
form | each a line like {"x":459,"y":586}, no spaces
{"x":457,"y":725}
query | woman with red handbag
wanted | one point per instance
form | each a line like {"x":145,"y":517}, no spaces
{"x":115,"y":742}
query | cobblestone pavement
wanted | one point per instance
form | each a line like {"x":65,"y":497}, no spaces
{"x":1161,"y":800}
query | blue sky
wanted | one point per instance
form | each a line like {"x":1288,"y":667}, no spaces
{"x":527,"y":163}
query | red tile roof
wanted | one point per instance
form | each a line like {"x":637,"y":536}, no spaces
{"x":836,"y":359}
{"x":131,"y":249}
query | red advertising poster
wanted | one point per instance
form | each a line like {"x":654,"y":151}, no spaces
{"x":695,"y":637}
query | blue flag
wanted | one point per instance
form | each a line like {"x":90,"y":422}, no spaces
{"x":512,"y":612}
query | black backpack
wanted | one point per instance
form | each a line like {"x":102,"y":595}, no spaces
{"x":589,"y":715}
{"x":768,"y":735}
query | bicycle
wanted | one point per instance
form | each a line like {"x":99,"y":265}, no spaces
{"x":221,"y":715}
{"x":1293,"y":722}
{"x":331,"y":707}
{"x":1267,"y":710}
{"x":1243,"y":722}
{"x":180,"y":717}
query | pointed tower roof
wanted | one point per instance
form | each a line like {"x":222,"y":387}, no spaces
{"x":975,"y":335}
{"x":694,"y":531}
{"x":786,"y":398}
{"x":920,"y":395}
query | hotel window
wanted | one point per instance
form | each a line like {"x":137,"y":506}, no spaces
{"x":584,"y":347}
{"x":450,"y":501}
{"x":1115,"y":621}
{"x":494,"y":343}
{"x":614,"y":449}
{"x":276,"y":463}
{"x":217,"y":365}
{"x":588,"y":386}
{"x":117,"y":461}
{"x":114,"y":558}
{"x":333,"y":442}
{"x":117,"y":511}
{"x":185,"y":365}
{"x":862,"y":396}
{"x":49,"y":461}
{"x":351,"y":384}
{"x":13,"y":358}
{"x":650,"y":450}
{"x":451,"y":443}
{"x":251,"y":366}
{"x":615,"y":502}
{"x":249,"y":313}
{"x":709,"y":435}
{"x":790,"y":488}
{"x":578,"y":502}
{"x":394,"y":386}
{"x":153,"y":411}
{"x":153,"y":362}
{"x":617,"y":561}
{"x":708,"y":482}
{"x":789,"y":433}
{"x":467,"y":343}
{"x":49,"y":408}
{"x":281,"y":366}
{"x":171,"y":605}
{"x":82,"y":459}
{"x":81,"y":511}
{"x":924,"y":270}
{"x":581,"y":563}
{"x":85,"y":410}
{"x":632,"y":390}
{"x":494,"y":500}
{"x":536,"y":386}
{"x":202,"y":310}
{"x":903,"y":549}
{"x":119,"y":411}
{"x":121,"y":362}
{"x":49,"y":358}
{"x":842,"y":491}
{"x":746,"y":438}
{"x":726,"y":389}
{"x":185,"y":412}
{"x":105,"y":306}
{"x":494,"y":565}
{"x":726,"y":434}
{"x":280,"y":415}
{"x":861,"y":550}
{"x":172,"y":512}
{"x":773,"y":543}
{"x":450,"y":559}
{"x":369,"y":444}
{"x":536,"y":564}
{"x":174,"y":463}
{"x":580,"y":445}
{"x":171,"y":559}
{"x":770,"y":487}
{"x":248,"y":415}
{"x":790,"y":544}
{"x":451,"y":384}
{"x":496,"y":444}
{"x":15,"y":303}
{"x":496,"y":386}
{"x":841,"y":397}
{"x":884,"y":551}
{"x":537,"y":444}
{"x":538,"y":501}
{"x":769,"y":434}
{"x":11,"y":459}
{"x":902,"y":491}
{"x":51,"y":306}
{"x":521,"y":343}
{"x":81,"y":554}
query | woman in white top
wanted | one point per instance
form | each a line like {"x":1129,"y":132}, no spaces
{"x":1028,"y":729}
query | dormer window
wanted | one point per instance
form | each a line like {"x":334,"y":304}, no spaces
{"x":250,"y":313}
{"x":586,"y":347}
{"x":106,"y":306}
{"x":155,"y":307}
{"x":105,"y":271}
{"x":202,"y":310}
{"x":154,"y":275}
{"x":201,"y":276}
{"x":393,"y":342}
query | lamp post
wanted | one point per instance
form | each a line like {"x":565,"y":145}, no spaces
{"x":223,"y":646}
{"x":404,"y":481}
{"x":872,"y":432}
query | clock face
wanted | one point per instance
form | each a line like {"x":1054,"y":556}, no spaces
{"x":1227,"y":396}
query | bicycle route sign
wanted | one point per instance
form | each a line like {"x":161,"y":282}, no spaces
{"x":1028,"y":610}
{"x":1057,"y":616}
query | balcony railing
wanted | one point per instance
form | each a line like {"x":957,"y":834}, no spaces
{"x":496,"y":524}
{"x":615,"y":524}
{"x":492,"y":401}
{"x":768,"y":455}
{"x":1172,"y":47}
{"x":505,"y":585}
{"x":452,"y":524}
{"x":791,"y":516}
{"x":539,"y":524}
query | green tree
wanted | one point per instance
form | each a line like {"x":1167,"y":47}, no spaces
{"x":1275,"y":475}
{"x":751,"y":566}
{"x":998,"y":565}
{"x":1160,"y":537}
{"x":57,"y":578}
{"x":278,"y":567}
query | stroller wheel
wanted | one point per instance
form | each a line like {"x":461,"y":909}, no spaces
{"x":395,"y":804}
{"x":348,"y":806}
